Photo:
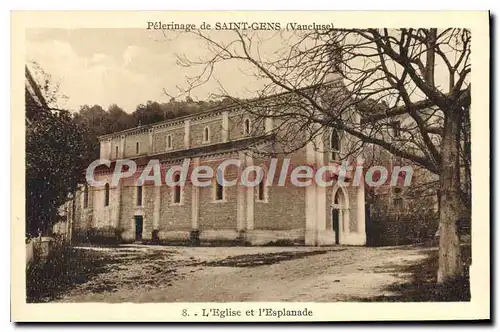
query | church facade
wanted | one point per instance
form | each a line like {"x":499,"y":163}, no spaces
{"x":311,"y":215}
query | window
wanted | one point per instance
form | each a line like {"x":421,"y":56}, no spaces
{"x":137,"y":148}
{"x":219,"y":191}
{"x":398,"y":203}
{"x":86,"y":197}
{"x":169,"y":142}
{"x":396,"y":128}
{"x":262,"y":191}
{"x":247,"y":127}
{"x":177,"y":189}
{"x":334,"y":145}
{"x":106,"y":194}
{"x":139,"y":195}
{"x":116,"y":152}
{"x":206,"y":135}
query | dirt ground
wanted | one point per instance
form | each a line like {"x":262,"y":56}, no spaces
{"x":139,"y":273}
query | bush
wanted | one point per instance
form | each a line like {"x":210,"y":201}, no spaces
{"x":406,"y":227}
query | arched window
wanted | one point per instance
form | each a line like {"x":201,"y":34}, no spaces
{"x":335,"y":145}
{"x":139,"y":195}
{"x":106,"y":194}
{"x":177,"y":189}
{"x":116,"y":152}
{"x":206,"y":135}
{"x":169,"y":142}
{"x":336,"y":199}
{"x":86,"y":197}
{"x":137,"y":148}
{"x":247,"y":127}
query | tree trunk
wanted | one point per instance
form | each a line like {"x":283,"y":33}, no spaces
{"x":450,"y":264}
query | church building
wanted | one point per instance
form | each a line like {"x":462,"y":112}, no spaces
{"x":310,"y":215}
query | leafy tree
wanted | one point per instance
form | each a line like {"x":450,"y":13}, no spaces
{"x":118,"y":119}
{"x":149,"y":113}
{"x":57,"y":151}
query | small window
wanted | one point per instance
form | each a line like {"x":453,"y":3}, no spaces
{"x":177,"y":189}
{"x":137,"y":148}
{"x":139,"y":196}
{"x":335,"y":145}
{"x":247,"y":127}
{"x":206,"y":135}
{"x":169,"y":142}
{"x":116,"y":152}
{"x":398,"y":203}
{"x":219,"y":191}
{"x":106,"y":194}
{"x":86,"y":197}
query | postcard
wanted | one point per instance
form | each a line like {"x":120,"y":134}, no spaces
{"x":272,"y":166}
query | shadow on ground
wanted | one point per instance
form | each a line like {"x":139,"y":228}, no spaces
{"x":261,"y":259}
{"x":94,"y":271}
{"x":422,"y":286}
{"x":46,"y":279}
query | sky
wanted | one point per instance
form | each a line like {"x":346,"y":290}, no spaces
{"x":127,"y":66}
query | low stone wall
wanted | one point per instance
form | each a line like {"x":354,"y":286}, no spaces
{"x":105,"y":235}
{"x":38,"y":248}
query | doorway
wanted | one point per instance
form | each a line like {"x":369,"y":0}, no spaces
{"x":336,"y":224}
{"x":340,"y":213}
{"x":138,"y":228}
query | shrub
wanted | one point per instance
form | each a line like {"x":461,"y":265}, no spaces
{"x":405,"y":227}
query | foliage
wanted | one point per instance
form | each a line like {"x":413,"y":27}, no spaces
{"x":57,"y":153}
{"x":404,"y":227}
{"x":116,"y":119}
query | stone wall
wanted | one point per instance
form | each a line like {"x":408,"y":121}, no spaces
{"x":214,"y":125}
{"x":160,"y":139}
{"x":131,"y":141}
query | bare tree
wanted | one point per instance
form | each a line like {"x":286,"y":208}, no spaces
{"x":331,"y":79}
